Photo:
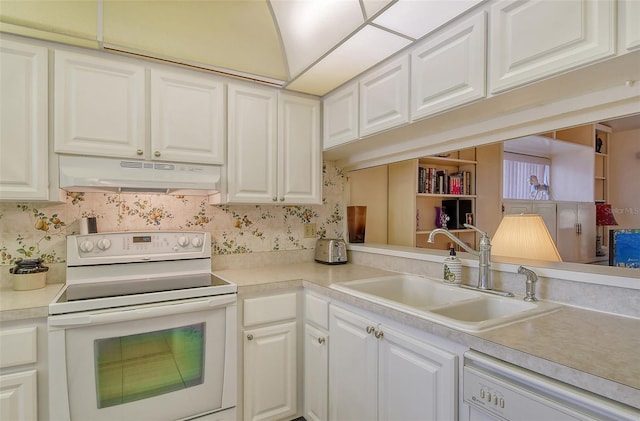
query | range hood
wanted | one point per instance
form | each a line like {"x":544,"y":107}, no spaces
{"x":94,"y":174}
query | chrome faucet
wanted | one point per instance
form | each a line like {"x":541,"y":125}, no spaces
{"x":484,"y":255}
{"x":532,"y":278}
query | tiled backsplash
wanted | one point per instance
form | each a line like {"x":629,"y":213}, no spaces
{"x":39,"y":229}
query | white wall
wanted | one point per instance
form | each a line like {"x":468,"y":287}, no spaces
{"x":624,"y":176}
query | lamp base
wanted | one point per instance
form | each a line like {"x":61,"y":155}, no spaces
{"x":599,"y":250}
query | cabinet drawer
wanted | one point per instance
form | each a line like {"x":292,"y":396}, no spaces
{"x":269,"y":309}
{"x":316,"y":310}
{"x":18,"y":346}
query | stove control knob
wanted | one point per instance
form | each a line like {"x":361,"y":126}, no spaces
{"x":196,"y":242}
{"x":86,"y":246}
{"x":104,"y":243}
{"x":183,"y":241}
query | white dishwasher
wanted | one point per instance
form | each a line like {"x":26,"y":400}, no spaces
{"x":496,"y":390}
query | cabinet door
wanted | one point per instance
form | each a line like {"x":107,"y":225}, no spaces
{"x":252,"y":144}
{"x":511,"y":208}
{"x":587,"y":237}
{"x":23,"y":122}
{"x":384,"y":97}
{"x":187,"y":118}
{"x":19,"y":396}
{"x":548,"y":213}
{"x":100,"y":106}
{"x":576,"y":231}
{"x":353,"y":359}
{"x":299,"y":150}
{"x":628,"y":18}
{"x":416,"y":380}
{"x":270,"y":389}
{"x":340,"y":116}
{"x":530,"y":40}
{"x":316,"y":374}
{"x":449,"y":70}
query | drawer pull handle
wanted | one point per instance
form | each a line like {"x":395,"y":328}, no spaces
{"x":321,"y":340}
{"x":250,"y":337}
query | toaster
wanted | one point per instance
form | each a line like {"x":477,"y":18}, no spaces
{"x":331,"y":251}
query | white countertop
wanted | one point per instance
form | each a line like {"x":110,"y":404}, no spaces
{"x":591,"y":350}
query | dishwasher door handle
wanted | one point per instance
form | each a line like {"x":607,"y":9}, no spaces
{"x":137,"y":313}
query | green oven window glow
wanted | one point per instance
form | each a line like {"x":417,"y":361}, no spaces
{"x":130,"y":368}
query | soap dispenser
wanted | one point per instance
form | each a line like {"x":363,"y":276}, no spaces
{"x":452,"y":267}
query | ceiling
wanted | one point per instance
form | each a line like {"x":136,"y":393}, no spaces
{"x":311,"y":46}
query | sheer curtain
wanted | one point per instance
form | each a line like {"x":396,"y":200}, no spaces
{"x":517,"y":173}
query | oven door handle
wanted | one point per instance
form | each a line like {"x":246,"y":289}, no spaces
{"x":124,"y":315}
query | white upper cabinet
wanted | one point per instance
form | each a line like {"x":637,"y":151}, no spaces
{"x":449,"y":69}
{"x":187,"y":117}
{"x":100,"y":106}
{"x":629,"y":29}
{"x":274,"y":147}
{"x":384,"y":97}
{"x":252,"y":144}
{"x":299,"y":150}
{"x":530,"y":40}
{"x":101,"y":109}
{"x":340,"y":119}
{"x":23,"y":122}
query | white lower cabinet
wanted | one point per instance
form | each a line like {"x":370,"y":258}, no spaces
{"x":18,"y":371}
{"x":270,"y":377}
{"x":378,"y":372}
{"x":316,"y":358}
{"x":316,"y":373}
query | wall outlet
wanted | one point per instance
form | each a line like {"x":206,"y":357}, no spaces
{"x":309,"y":230}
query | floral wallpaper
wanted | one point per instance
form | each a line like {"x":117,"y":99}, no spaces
{"x":39,"y":229}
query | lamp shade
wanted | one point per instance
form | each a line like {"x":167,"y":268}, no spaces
{"x":604,"y":215}
{"x":524,"y":236}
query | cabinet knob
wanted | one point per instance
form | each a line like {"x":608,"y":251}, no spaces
{"x":282,"y":199}
{"x":321,"y":340}
{"x":140,"y":152}
{"x":275,"y":199}
{"x":370,"y":329}
{"x":379,"y":334}
{"x":156,"y":154}
{"x":250,"y":337}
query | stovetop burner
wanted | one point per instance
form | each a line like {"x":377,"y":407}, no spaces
{"x":111,"y":270}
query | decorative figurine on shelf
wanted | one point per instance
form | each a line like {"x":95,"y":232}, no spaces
{"x":539,"y":191}
{"x":598,"y":144}
{"x":442,"y":219}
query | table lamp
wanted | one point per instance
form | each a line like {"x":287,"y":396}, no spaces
{"x":524,"y":236}
{"x":604,"y":217}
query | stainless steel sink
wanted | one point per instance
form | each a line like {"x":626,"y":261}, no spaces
{"x":450,"y":305}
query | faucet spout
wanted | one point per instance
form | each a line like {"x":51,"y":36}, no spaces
{"x":484,"y":254}
{"x":453,"y":238}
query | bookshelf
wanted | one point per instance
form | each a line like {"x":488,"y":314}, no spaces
{"x":413,"y":197}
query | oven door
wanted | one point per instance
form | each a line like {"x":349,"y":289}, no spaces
{"x":165,"y":361}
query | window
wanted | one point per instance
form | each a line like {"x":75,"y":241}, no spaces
{"x":526,"y":177}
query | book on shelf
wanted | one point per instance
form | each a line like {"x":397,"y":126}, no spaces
{"x":433,"y":181}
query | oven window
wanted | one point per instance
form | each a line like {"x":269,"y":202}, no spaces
{"x":130,"y":368}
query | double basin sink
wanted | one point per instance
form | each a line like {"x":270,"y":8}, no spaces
{"x":450,"y":305}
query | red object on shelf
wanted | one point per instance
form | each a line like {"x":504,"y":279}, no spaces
{"x":604,"y":215}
